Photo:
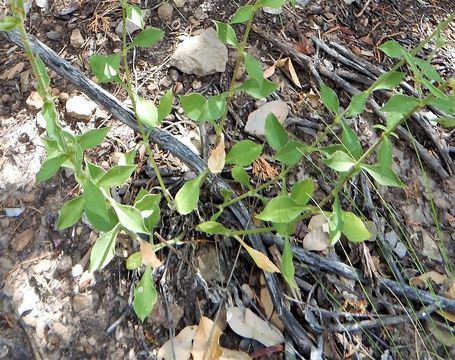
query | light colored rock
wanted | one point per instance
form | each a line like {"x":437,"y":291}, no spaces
{"x":130,"y":28}
{"x":256,"y":120}
{"x":165,"y":12}
{"x":400,"y":250}
{"x":80,"y":108}
{"x":201,"y":55}
{"x":76,"y":39}
{"x":272,"y":11}
{"x":42,"y":266}
{"x":35,"y":101}
{"x":179,"y":3}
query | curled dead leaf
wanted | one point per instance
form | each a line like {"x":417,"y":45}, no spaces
{"x":206,"y":341}
{"x":247,"y":324}
{"x":318,"y":238}
{"x":148,"y":255}
{"x":217,"y":157}
{"x":262,"y":261}
{"x":288,"y":69}
{"x":182,"y":343}
{"x":422,"y":280}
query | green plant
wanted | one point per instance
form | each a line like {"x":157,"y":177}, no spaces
{"x":279,"y":214}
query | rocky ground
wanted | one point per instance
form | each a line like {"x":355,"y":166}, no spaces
{"x":51,"y":307}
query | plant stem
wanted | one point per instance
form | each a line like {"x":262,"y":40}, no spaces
{"x":238,"y":63}
{"x":132,"y":95}
{"x":256,"y":190}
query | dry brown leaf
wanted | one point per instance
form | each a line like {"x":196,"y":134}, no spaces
{"x":234,"y":355}
{"x":318,"y":238}
{"x":422,"y":280}
{"x":288,"y":69}
{"x":183,"y":344}
{"x":247,"y":324}
{"x":262,"y":261}
{"x":148,"y":255}
{"x":217,"y":157}
{"x":306,"y":46}
{"x":269,"y":71}
{"x":206,"y":342}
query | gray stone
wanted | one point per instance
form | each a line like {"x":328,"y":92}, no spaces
{"x":392,"y":238}
{"x":76,"y":39}
{"x":256,"y":120}
{"x":166,"y":12}
{"x":400,"y":250}
{"x":80,"y":108}
{"x":201,"y":55}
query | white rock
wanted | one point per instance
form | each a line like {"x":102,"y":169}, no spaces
{"x":272,"y":11}
{"x":130,"y":28}
{"x":179,"y":3}
{"x":256,"y":120}
{"x":35,"y":101}
{"x":76,"y":38}
{"x":80,"y":108}
{"x":400,"y":250}
{"x":201,"y":55}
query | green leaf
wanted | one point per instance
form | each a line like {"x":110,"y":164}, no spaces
{"x":92,"y":138}
{"x":258,"y":90}
{"x":213,"y":228}
{"x":433,"y":89}
{"x":254,"y":69}
{"x":147,"y":37}
{"x":198,"y":108}
{"x":281,"y":209}
{"x":428,"y":70}
{"x":187,"y":197}
{"x":148,"y":204}
{"x":8,"y":23}
{"x":78,"y":158}
{"x":291,"y":153}
{"x":243,"y":14}
{"x":385,"y":154}
{"x":145,"y":295}
{"x":226,"y":34}
{"x":134,"y":261}
{"x":446,"y":105}
{"x":411,"y":63}
{"x":95,"y":207}
{"x":130,"y":218}
{"x":287,"y":265}
{"x":42,"y":73}
{"x":51,"y":147}
{"x":50,"y":115}
{"x":240,"y":175}
{"x":95,"y":172}
{"x":285,"y":228}
{"x":135,"y":15}
{"x":147,"y":113}
{"x":128,"y":157}
{"x":70,"y":213}
{"x":105,"y":67}
{"x":276,"y":135}
{"x":165,"y":105}
{"x":50,"y":167}
{"x":401,"y":104}
{"x":388,"y":81}
{"x":353,"y":228}
{"x":244,"y":153}
{"x":446,"y":122}
{"x":302,"y":191}
{"x":392,"y":49}
{"x":384,"y":176}
{"x":271,"y":3}
{"x":351,"y":142}
{"x":330,"y":99}
{"x":103,"y":251}
{"x":336,"y":222}
{"x":357,"y":105}
{"x":116,"y":176}
{"x":340,"y":161}
{"x":393,"y":119}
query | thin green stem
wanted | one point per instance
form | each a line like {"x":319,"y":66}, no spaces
{"x":252,"y":192}
{"x":238,"y":63}
{"x":132,"y":95}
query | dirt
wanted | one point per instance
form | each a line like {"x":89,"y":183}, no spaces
{"x":51,"y":307}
